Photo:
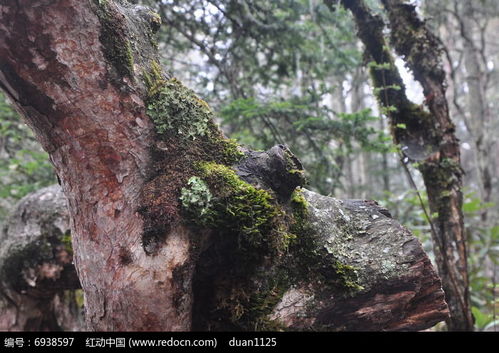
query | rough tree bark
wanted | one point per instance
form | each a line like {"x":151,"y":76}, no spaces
{"x":39,"y":288}
{"x":424,"y":137}
{"x":174,"y":226}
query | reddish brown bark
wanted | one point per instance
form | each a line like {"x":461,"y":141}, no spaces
{"x":98,"y":136}
{"x":77,"y":71}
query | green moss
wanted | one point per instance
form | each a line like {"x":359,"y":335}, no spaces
{"x":349,"y":276}
{"x":154,"y":79}
{"x":79,"y":297}
{"x":253,"y":314}
{"x":299,"y":227}
{"x":196,"y":197}
{"x":299,"y":203}
{"x":250,"y":223}
{"x":179,"y":114}
{"x":154,"y":21}
{"x":178,"y":111}
{"x":118,"y":50}
{"x":176,"y":108}
{"x":74,"y":297}
{"x":66,"y":240}
{"x":236,"y":207}
{"x":129,"y":61}
{"x":186,"y":135}
{"x":230,"y":151}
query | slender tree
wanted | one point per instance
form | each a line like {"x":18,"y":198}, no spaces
{"x":425,"y":137}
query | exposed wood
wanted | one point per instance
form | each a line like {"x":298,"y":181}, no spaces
{"x":175,"y":227}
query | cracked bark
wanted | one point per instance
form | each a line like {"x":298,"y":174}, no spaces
{"x":85,"y":98}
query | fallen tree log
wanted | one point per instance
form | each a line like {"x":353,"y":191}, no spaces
{"x":400,"y":290}
{"x":397,"y":288}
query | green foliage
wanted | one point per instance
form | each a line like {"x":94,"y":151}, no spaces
{"x":472,"y":204}
{"x":24,"y":166}
{"x":310,"y":131}
{"x":483,"y":257}
{"x":484,"y":321}
{"x":272,"y":67}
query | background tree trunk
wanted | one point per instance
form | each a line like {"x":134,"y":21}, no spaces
{"x":175,"y":227}
{"x":478,"y":110}
{"x":424,"y":137}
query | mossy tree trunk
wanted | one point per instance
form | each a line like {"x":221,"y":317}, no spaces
{"x":424,"y":136}
{"x":175,"y":226}
{"x":39,"y":288}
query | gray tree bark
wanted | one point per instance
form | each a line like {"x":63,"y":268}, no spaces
{"x":39,"y":288}
{"x":478,"y":110}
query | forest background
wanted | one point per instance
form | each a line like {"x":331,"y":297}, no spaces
{"x":293,"y":72}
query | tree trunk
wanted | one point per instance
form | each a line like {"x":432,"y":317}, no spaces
{"x":478,"y":111}
{"x":424,"y":137}
{"x":176,"y":227}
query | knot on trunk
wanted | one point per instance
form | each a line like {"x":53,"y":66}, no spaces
{"x":277,"y":169}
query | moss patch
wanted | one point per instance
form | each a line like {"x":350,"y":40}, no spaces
{"x":185,"y":135}
{"x":236,"y":207}
{"x":251,"y":235}
{"x":178,"y":110}
{"x":117,"y":48}
{"x":180,"y":115}
{"x":67,"y":241}
{"x":196,"y":197}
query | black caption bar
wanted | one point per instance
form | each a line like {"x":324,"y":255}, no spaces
{"x":212,"y":341}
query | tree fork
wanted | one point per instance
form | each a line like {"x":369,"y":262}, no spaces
{"x":445,"y":197}
{"x":176,"y":227}
{"x":425,"y":137}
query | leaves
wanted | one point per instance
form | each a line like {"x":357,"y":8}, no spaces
{"x":24,"y":166}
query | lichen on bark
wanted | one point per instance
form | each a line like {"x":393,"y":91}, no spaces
{"x":257,"y":221}
{"x":123,"y":172}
